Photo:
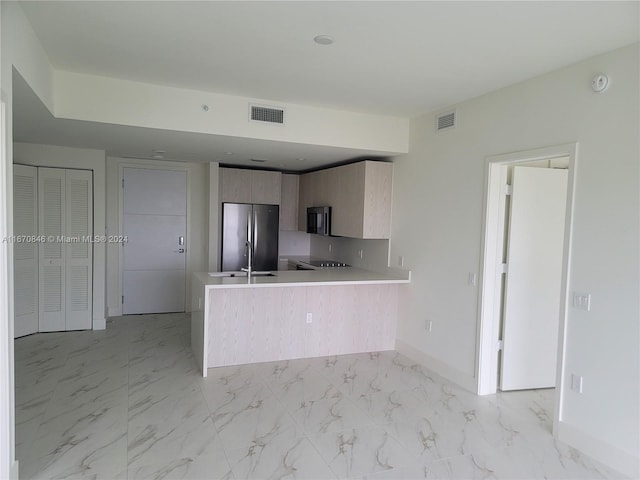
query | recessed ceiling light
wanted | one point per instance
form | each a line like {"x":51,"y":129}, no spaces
{"x":323,"y":40}
{"x":157,"y":156}
{"x":301,"y":159}
{"x":159,"y":152}
{"x":229,"y":153}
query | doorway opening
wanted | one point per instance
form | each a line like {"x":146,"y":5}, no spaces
{"x":494,"y":303}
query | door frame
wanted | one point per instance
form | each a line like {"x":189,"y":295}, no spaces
{"x":492,"y":249}
{"x":8,"y":462}
{"x":151,"y":166}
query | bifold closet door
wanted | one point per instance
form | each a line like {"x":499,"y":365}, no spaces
{"x":79,"y":254}
{"x":65,"y":219}
{"x":25,"y":249}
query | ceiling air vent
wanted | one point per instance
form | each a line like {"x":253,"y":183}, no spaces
{"x":445,"y":120}
{"x":261,"y":113}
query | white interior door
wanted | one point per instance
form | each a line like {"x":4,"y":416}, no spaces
{"x":79,"y":249}
{"x":155,"y":222}
{"x":533,"y":282}
{"x":52,"y":255}
{"x":25,"y":249}
{"x":65,"y":221}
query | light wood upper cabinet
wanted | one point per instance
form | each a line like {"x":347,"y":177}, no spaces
{"x":315,"y":191}
{"x":378,"y":188}
{"x":265,"y":187}
{"x":235,"y":185}
{"x":348,"y":201}
{"x":359,"y":195}
{"x":289,"y":202}
{"x":249,"y":186}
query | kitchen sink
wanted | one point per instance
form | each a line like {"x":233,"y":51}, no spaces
{"x":241,"y":274}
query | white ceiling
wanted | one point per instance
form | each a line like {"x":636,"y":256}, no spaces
{"x":392,"y":58}
{"x":33,"y":123}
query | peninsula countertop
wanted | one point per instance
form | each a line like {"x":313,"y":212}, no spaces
{"x":302,"y":278}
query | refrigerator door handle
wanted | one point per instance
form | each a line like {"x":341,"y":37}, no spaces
{"x":255,"y":232}
{"x":249,"y":236}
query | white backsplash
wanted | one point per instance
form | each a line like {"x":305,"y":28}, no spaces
{"x":375,"y":253}
{"x":293,"y":243}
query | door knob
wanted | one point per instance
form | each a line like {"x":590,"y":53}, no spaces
{"x":181,"y":250}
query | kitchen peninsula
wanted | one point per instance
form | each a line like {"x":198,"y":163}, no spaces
{"x":293,"y":314}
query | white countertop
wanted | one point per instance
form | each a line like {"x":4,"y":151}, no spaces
{"x":305,"y":278}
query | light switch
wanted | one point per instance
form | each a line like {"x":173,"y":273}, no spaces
{"x":576,"y":383}
{"x":309,"y":317}
{"x":582,"y":301}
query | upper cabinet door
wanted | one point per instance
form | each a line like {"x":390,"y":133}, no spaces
{"x":235,"y":185}
{"x":347,"y":214}
{"x":265,"y":187}
{"x":289,"y":202}
{"x":239,"y":185}
{"x":378,"y":193}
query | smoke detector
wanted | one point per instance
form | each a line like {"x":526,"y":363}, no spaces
{"x":600,"y":83}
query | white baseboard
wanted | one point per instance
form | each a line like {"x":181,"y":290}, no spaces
{"x":603,"y":452}
{"x":441,"y":368}
{"x":13,"y":473}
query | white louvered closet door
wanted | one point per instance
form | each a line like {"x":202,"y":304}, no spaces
{"x":25,"y":249}
{"x":65,"y":219}
{"x":79,"y":258}
{"x":51,"y":225}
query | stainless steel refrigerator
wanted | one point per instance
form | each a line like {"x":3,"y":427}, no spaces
{"x":256,"y":223}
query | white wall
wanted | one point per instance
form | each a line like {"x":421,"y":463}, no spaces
{"x":20,"y":49}
{"x":87,"y":159}
{"x":198,"y":231}
{"x":441,"y":184}
{"x":109,"y":100}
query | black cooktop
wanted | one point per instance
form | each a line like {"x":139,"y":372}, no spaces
{"x":327,"y":263}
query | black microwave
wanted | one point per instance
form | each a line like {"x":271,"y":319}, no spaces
{"x":319,"y":220}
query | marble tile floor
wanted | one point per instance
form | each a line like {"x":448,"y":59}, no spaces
{"x":128,"y":403}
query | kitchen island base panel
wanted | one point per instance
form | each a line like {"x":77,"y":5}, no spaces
{"x":267,"y":324}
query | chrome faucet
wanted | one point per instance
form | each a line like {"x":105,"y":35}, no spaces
{"x":249,"y":250}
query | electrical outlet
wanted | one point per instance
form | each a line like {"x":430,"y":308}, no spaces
{"x":329,"y":247}
{"x":428,"y":325}
{"x":360,"y":253}
{"x":576,"y":383}
{"x":309,"y":317}
{"x":401,"y":261}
